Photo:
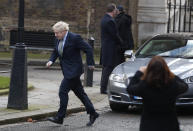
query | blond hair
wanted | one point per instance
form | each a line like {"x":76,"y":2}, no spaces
{"x":61,"y":26}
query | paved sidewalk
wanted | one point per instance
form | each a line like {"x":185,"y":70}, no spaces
{"x":43,"y":101}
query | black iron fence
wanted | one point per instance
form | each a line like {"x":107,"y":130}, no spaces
{"x":34,"y":39}
{"x":180,"y":16}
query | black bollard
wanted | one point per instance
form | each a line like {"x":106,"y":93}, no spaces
{"x":18,"y":84}
{"x":88,"y":74}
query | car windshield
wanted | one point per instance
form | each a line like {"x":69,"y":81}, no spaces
{"x":167,"y":47}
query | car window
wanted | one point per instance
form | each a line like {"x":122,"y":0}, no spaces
{"x":184,"y":51}
{"x":167,"y":47}
{"x":187,"y":51}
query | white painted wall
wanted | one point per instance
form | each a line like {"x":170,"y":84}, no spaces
{"x":152,"y":18}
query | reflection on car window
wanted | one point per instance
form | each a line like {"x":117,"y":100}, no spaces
{"x":187,"y":51}
{"x":167,"y":48}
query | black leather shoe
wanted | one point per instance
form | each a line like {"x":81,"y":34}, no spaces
{"x":92,"y":119}
{"x":55,"y":120}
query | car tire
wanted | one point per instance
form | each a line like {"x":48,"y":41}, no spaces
{"x":116,"y":107}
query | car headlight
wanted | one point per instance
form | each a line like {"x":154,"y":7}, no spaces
{"x":121,"y":78}
{"x":189,"y":79}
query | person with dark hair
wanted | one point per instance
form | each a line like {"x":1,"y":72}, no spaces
{"x":109,"y":45}
{"x":123,"y":23}
{"x":159,"y":88}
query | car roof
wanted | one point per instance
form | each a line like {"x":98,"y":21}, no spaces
{"x":181,"y":35}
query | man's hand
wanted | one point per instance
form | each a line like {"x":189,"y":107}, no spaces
{"x":91,"y":67}
{"x":48,"y":64}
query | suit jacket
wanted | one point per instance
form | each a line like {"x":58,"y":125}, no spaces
{"x":71,"y":61}
{"x":109,"y":41}
{"x":159,"y":110}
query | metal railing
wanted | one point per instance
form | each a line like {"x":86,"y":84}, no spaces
{"x":179,"y":16}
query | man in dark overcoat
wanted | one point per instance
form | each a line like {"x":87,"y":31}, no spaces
{"x":123,"y":23}
{"x":109,"y":44}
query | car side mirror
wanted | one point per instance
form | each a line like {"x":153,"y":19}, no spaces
{"x":128,"y":53}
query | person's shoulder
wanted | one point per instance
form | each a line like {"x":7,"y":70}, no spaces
{"x":105,"y":19}
{"x":75,"y":36}
{"x":72,"y":34}
{"x":128,"y":16}
{"x":177,"y":80}
{"x":106,"y":16}
{"x":118,"y":17}
{"x":108,"y":21}
{"x":123,"y":16}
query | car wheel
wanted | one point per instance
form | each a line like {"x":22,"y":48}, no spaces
{"x":118,"y":107}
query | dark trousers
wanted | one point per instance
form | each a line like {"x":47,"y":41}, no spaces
{"x":106,"y":71}
{"x":75,"y":85}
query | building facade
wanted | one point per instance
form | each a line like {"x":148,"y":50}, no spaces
{"x":83,"y":16}
{"x":150,"y":17}
{"x":163,"y":16}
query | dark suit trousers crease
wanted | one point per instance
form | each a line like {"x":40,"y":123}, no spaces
{"x":75,"y":85}
{"x":106,"y":71}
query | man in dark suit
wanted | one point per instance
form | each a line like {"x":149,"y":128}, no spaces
{"x":67,"y":49}
{"x":109,"y":45}
{"x":123,"y":23}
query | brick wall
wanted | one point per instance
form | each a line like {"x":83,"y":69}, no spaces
{"x":83,"y":15}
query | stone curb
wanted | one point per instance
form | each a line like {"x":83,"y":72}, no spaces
{"x":6,"y":91}
{"x":39,"y":116}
